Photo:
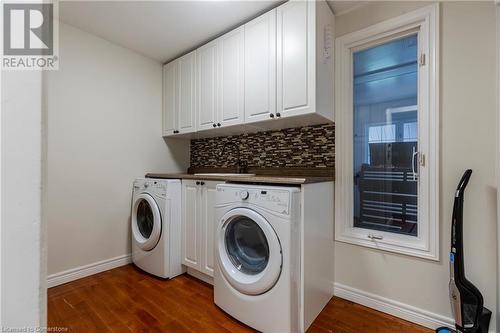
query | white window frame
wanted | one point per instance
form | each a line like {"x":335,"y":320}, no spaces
{"x":426,"y":244}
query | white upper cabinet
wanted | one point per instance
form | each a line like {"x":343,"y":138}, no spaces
{"x":207,"y":86}
{"x":305,"y":59}
{"x":221,"y":82}
{"x":169,"y":99}
{"x":231,"y":48}
{"x":260,"y":68}
{"x":275,"y":71}
{"x":186,"y":93}
{"x":179,"y":88}
{"x":294,"y":71}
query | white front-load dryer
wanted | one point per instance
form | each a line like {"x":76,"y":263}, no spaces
{"x":256,"y":276}
{"x":156,"y":226}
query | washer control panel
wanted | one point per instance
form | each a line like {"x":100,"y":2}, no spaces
{"x":275,"y":200}
{"x":152,"y":186}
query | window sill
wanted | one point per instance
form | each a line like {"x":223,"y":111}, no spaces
{"x":416,"y":250}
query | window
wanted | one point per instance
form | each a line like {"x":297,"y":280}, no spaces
{"x":387,"y":116}
{"x":410,"y":132}
{"x":381,"y":133}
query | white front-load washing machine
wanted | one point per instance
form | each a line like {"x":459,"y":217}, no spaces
{"x":156,"y":226}
{"x":256,"y":276}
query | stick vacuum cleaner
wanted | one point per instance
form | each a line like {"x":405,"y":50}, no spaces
{"x":466,"y":300}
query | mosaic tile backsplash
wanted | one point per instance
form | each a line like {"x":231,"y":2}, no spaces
{"x":303,"y":147}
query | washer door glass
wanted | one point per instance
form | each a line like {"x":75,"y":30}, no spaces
{"x":145,"y":218}
{"x":146,"y":222}
{"x":248,"y":251}
{"x":247,"y":245}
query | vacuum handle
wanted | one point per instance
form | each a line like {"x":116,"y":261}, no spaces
{"x":463,"y":183}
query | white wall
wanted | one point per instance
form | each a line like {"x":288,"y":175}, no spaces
{"x":22,"y":266}
{"x":104,"y":130}
{"x":467,"y":141}
{"x":498,"y":164}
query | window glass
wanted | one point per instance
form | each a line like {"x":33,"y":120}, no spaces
{"x":386,"y":136}
{"x":410,"y":132}
{"x":383,"y":133}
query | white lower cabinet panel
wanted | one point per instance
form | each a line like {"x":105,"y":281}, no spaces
{"x":190,"y":224}
{"x":208,"y":228}
{"x":198,"y":224}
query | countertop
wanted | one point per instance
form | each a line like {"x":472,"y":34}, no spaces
{"x":263,"y":179}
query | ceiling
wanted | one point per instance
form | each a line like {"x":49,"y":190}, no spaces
{"x":164,"y":30}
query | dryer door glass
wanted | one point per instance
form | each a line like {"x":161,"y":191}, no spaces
{"x":248,"y":251}
{"x":146,"y":222}
{"x":145,"y":219}
{"x":246,"y":245}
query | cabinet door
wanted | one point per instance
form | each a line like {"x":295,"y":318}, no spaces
{"x":190,"y":224}
{"x":186,"y":93}
{"x":295,"y":58}
{"x":208,"y":218}
{"x":207,"y":86}
{"x":231,"y":82}
{"x":260,"y":67}
{"x":169,"y":98}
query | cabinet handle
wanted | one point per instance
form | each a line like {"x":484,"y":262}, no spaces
{"x":278,"y":114}
{"x":176,"y":131}
{"x":197,"y":183}
{"x":214,"y":125}
{"x":271,"y":115}
{"x":218,"y":124}
{"x":202,"y":183}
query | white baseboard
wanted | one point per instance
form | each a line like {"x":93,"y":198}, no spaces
{"x":86,"y":270}
{"x":404,"y":311}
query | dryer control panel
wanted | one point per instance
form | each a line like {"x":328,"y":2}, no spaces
{"x":273,"y":199}
{"x":153,"y":186}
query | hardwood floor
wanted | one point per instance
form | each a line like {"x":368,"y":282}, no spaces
{"x":126,"y":299}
